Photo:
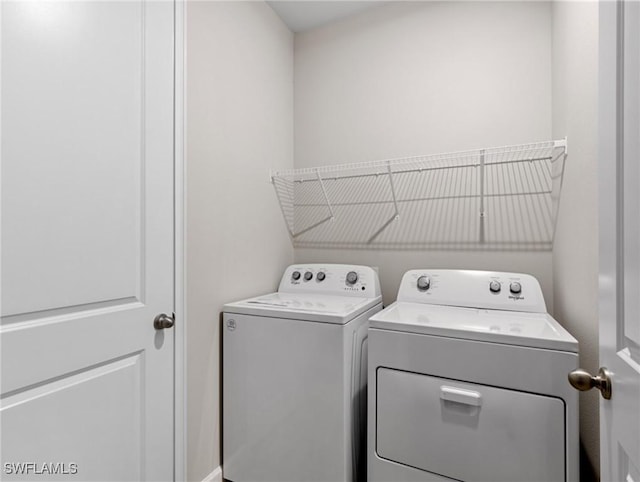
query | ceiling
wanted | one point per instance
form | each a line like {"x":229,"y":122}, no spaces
{"x":303,"y":15}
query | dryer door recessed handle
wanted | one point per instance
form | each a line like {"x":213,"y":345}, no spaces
{"x":460,"y":395}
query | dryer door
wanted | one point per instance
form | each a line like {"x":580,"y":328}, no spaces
{"x":467,"y":431}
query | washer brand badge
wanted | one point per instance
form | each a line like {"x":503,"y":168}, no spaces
{"x":231,"y":325}
{"x":516,"y":297}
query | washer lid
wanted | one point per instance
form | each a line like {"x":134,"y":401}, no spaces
{"x":537,"y":330}
{"x":305,"y":307}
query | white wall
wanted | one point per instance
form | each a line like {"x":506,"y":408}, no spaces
{"x":239,"y":126}
{"x":409,"y":78}
{"x":575,"y":254}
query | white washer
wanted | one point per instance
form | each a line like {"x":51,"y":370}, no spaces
{"x":468,"y":382}
{"x":294,"y":377}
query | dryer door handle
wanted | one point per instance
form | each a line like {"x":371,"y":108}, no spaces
{"x":460,"y":395}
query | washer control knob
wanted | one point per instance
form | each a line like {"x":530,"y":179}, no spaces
{"x":321,"y":276}
{"x":423,"y":283}
{"x":295,"y":275}
{"x":352,"y":277}
{"x":308,"y":276}
{"x":495,"y":286}
{"x":515,"y":288}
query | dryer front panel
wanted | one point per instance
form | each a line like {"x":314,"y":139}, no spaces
{"x":467,"y":431}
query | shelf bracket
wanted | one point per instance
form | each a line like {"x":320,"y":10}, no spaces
{"x":393,"y":191}
{"x":396,"y":213}
{"x":282,"y":204}
{"x":328,"y":218}
{"x":324,"y":192}
{"x":482,"y":212}
{"x":326,"y":199}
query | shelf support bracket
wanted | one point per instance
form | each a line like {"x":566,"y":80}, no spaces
{"x":282,"y":204}
{"x":393,"y":191}
{"x":326,"y":199}
{"x":396,"y":213}
{"x":328,"y":218}
{"x":324,"y":192}
{"x":482,"y":212}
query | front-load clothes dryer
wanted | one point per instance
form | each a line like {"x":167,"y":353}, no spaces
{"x":468,"y":382}
{"x":294,"y":377}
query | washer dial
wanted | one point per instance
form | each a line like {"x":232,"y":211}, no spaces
{"x":423,"y":283}
{"x":352,"y":278}
{"x":495,"y":286}
{"x":515,"y":287}
{"x":308,"y":276}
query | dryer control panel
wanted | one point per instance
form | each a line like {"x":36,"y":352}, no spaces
{"x":331,"y":279}
{"x":473,"y":289}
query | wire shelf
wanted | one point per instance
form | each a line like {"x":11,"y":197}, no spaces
{"x":502,"y":198}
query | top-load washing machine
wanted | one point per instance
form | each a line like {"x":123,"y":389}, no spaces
{"x":294,"y":377}
{"x":468,"y":382}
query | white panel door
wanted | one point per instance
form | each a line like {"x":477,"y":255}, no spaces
{"x":87,"y":240}
{"x":620,"y":238}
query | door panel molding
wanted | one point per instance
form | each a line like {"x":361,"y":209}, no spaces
{"x":56,"y":315}
{"x":45,"y":387}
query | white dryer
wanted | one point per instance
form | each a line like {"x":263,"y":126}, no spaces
{"x":294,"y":377}
{"x":468,"y":382}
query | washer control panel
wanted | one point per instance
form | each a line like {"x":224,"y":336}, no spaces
{"x":473,"y":289}
{"x":336,"y":279}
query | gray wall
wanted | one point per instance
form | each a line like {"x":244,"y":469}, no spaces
{"x":239,"y":126}
{"x":575,"y":253}
{"x":410,"y":78}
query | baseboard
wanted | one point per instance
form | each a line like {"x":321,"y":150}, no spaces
{"x":215,"y":476}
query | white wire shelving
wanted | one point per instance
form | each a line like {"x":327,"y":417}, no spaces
{"x":502,"y":198}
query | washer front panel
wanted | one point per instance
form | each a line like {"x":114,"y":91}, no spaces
{"x":292,"y":398}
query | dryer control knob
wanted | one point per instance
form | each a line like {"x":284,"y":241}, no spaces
{"x":295,"y":275}
{"x":495,"y":286}
{"x":515,"y":288}
{"x":308,"y":275}
{"x":321,"y":276}
{"x":423,"y":283}
{"x":352,"y":277}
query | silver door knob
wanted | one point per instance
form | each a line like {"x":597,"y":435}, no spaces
{"x":583,"y":380}
{"x":163,"y":321}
